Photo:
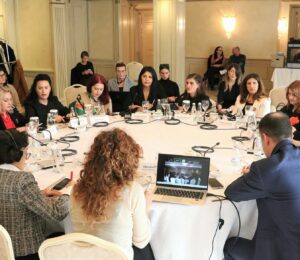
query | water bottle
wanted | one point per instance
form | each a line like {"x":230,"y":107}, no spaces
{"x":50,"y":120}
{"x":158,"y":106}
{"x":199,"y":113}
{"x":72,"y":113}
{"x":193,"y":110}
{"x":257,"y":146}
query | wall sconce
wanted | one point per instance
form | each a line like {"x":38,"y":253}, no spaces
{"x":282,"y":26}
{"x":229,"y":25}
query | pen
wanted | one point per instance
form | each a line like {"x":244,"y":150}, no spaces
{"x":71,"y":175}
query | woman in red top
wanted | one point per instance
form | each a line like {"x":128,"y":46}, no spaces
{"x":9,"y":115}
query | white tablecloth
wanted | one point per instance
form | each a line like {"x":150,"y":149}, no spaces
{"x":282,"y":77}
{"x":179,"y":232}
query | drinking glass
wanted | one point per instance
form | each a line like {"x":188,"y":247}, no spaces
{"x":54,"y":112}
{"x":164,"y":102}
{"x":248,"y":109}
{"x":50,"y":120}
{"x":251,"y":121}
{"x":88,"y":109}
{"x":186,"y":105}
{"x":97,"y":109}
{"x":205,"y":106}
{"x":145,"y":105}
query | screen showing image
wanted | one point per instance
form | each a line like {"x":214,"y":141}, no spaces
{"x":183,"y":171}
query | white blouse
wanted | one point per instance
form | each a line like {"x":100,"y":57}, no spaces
{"x":128,"y":222}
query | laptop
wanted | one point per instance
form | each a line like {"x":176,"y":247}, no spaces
{"x":181,"y":179}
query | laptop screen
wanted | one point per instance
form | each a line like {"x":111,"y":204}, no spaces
{"x":182,"y":171}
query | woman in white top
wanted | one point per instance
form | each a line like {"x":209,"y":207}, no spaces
{"x":252,"y":94}
{"x":107,"y":202}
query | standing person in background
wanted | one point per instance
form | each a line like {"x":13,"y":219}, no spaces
{"x":229,"y":89}
{"x":238,"y":58}
{"x":216,"y":62}
{"x":83,"y":70}
{"x":41,"y":100}
{"x":148,"y":89}
{"x":119,"y":88}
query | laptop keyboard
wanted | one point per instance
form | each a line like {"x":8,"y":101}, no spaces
{"x":179,"y":193}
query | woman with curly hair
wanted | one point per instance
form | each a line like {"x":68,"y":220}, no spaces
{"x":107,"y":202}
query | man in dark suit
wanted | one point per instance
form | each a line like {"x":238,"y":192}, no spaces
{"x":274,"y":182}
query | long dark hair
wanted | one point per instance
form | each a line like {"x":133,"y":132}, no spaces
{"x":32,"y":93}
{"x":153,"y":88}
{"x":238,"y":74}
{"x":216,"y":52}
{"x":95,"y":79}
{"x":244,"y":91}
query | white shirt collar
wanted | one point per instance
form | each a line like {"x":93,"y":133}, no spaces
{"x":11,"y":167}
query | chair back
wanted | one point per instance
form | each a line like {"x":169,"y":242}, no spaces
{"x":78,"y":246}
{"x":6,"y":248}
{"x":72,"y":92}
{"x":133,"y":70}
{"x":277,"y":96}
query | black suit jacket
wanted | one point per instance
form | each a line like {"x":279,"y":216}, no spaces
{"x":275,"y":184}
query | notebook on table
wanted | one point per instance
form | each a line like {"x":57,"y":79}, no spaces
{"x":181,"y":179}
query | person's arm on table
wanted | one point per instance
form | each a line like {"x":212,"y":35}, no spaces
{"x":247,"y":187}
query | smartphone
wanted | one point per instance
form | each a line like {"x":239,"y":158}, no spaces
{"x":63,"y":183}
{"x":215,"y":184}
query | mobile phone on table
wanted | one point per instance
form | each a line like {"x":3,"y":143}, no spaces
{"x":215,"y":184}
{"x":63,"y":183}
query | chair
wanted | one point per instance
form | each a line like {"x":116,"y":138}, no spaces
{"x":78,"y":246}
{"x":71,"y":92}
{"x":6,"y":248}
{"x":278,"y":97}
{"x":133,"y":70}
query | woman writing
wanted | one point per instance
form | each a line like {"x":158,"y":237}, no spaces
{"x":229,"y":89}
{"x":147,"y":89}
{"x":96,"y":94}
{"x":252,"y":95}
{"x":41,"y":100}
{"x":9,"y":115}
{"x":107,"y":201}
{"x":24,"y":208}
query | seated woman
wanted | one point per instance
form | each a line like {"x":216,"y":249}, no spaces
{"x":9,"y":115}
{"x":41,"y":100}
{"x":229,"y":89}
{"x":252,"y":94}
{"x":194,"y":91}
{"x":292,"y":109}
{"x":107,"y":201}
{"x":215,"y":63}
{"x":96,"y":94}
{"x":147,"y":89}
{"x":11,"y":88}
{"x":24,"y":208}
{"x":170,"y":87}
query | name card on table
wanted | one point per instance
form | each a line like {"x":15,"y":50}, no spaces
{"x":78,"y":122}
{"x":98,"y":118}
{"x":187,"y":118}
{"x":142,"y":116}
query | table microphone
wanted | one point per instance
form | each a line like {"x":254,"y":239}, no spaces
{"x":210,"y":149}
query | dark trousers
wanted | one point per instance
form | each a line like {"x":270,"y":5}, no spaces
{"x":143,"y":254}
{"x":240,"y":249}
{"x":28,"y":257}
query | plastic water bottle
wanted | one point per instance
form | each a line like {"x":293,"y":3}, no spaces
{"x":193,"y":110}
{"x":158,"y":106}
{"x":199,"y":113}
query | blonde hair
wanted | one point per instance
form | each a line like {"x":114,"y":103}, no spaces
{"x":294,"y":88}
{"x":110,"y":165}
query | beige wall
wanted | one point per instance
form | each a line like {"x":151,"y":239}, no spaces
{"x":35,"y":35}
{"x":256,"y":27}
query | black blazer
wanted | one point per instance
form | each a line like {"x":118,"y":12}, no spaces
{"x":17,"y":118}
{"x":34,"y":108}
{"x":274,"y":183}
{"x":228,"y":98}
{"x":137,"y":96}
